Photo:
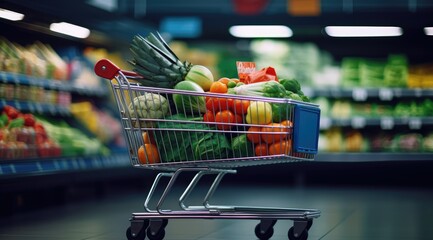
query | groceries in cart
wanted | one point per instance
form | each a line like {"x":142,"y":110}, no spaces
{"x":178,"y":119}
{"x":191,"y":117}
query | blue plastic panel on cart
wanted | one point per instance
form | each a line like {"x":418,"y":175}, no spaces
{"x":306,"y":129}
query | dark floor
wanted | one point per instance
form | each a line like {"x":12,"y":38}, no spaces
{"x":354,"y":213}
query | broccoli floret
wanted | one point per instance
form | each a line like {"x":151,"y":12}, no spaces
{"x":295,"y":96}
{"x":291,"y":85}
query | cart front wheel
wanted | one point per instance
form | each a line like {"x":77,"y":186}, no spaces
{"x":263,"y":235}
{"x":140,"y":236}
{"x":302,"y":236}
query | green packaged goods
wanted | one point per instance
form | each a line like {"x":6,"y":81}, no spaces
{"x":190,"y":140}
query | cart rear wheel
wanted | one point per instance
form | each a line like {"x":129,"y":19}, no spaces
{"x":140,"y":236}
{"x":302,"y":236}
{"x":156,"y":235}
{"x":263,"y":235}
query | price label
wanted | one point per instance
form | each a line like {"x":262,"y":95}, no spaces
{"x":387,"y":123}
{"x":359,"y":94}
{"x":3,"y":77}
{"x":358,"y":122}
{"x":417,"y":92}
{"x":52,"y":109}
{"x":17,"y":105}
{"x":16,"y":79}
{"x":415,"y":123}
{"x":386,"y":94}
{"x":39,"y":108}
{"x":31,"y":107}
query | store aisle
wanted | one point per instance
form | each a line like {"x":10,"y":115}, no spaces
{"x":347,"y":213}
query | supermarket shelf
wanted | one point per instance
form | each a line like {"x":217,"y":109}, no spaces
{"x":21,"y":79}
{"x":385,"y":123}
{"x":35,"y":107}
{"x":373,"y":157}
{"x":362,"y":94}
{"x":31,"y":167}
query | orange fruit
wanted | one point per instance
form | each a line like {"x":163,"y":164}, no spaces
{"x":254,"y":137}
{"x":261,"y":150}
{"x":218,"y":87}
{"x":148,"y":154}
{"x":283,"y":147}
{"x":224,"y":80}
{"x":274,"y":132}
{"x":287,"y":123}
{"x":147,"y":138}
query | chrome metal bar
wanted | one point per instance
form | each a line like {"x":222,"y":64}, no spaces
{"x":152,"y":190}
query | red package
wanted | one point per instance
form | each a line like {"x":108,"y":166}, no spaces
{"x":265,"y":74}
{"x":244,"y":69}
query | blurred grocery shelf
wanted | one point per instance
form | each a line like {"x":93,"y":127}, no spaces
{"x":372,"y":157}
{"x":385,"y":122}
{"x":51,"y":84}
{"x":363,"y":94}
{"x":59,"y":165}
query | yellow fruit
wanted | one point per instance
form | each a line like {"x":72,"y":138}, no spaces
{"x":259,"y":113}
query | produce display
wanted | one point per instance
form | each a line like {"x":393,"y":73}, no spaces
{"x":344,"y":140}
{"x":38,"y":60}
{"x":23,"y":136}
{"x":247,"y":126}
{"x":97,"y":121}
{"x":420,"y":76}
{"x":375,"y":73}
{"x":34,"y":78}
{"x":344,"y":109}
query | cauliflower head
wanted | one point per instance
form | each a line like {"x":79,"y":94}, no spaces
{"x":149,"y":105}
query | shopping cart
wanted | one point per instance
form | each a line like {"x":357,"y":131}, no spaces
{"x":185,"y":141}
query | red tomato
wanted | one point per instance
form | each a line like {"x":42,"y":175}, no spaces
{"x":218,"y":104}
{"x":254,"y":137}
{"x":238,"y":118}
{"x":209,"y":116}
{"x":225,"y":116}
{"x":240,"y":107}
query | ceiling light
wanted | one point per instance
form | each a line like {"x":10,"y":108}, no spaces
{"x":428,"y":31}
{"x":261,"y":31}
{"x":11,"y":15}
{"x":363,"y":31}
{"x":70,"y":29}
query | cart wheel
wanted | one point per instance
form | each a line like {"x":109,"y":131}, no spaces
{"x":302,"y":236}
{"x":164,"y":223}
{"x":309,"y":224}
{"x":263,"y":235}
{"x":140,"y":236}
{"x":156,"y":235}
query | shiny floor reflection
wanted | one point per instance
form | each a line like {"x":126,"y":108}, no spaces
{"x":347,"y":213}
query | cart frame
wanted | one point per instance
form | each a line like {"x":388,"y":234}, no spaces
{"x":152,"y":222}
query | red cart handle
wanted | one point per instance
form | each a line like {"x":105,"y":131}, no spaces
{"x":108,"y":70}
